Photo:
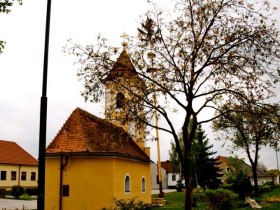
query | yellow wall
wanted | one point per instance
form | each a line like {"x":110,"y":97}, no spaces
{"x":94,"y":181}
{"x":136,"y":171}
{"x":25,"y":183}
{"x":52,"y":178}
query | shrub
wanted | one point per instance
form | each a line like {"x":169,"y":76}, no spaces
{"x":265,"y":188}
{"x":198,"y":194}
{"x":130,"y":204}
{"x":221,"y":199}
{"x":32,"y":191}
{"x":2,"y":192}
{"x":179,"y":185}
{"x":17,"y":191}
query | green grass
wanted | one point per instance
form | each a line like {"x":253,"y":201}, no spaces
{"x":275,"y":192}
{"x":175,"y":200}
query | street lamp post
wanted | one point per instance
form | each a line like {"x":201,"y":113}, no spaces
{"x":43,"y":118}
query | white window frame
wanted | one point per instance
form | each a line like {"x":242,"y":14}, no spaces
{"x":143,"y":186}
{"x":127,"y":186}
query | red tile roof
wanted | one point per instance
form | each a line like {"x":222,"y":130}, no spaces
{"x":86,"y":134}
{"x":226,"y":161}
{"x":167,"y":165}
{"x":12,"y":153}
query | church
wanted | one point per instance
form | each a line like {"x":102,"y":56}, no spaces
{"x":92,"y":161}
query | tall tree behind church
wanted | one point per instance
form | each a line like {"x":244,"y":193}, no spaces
{"x":206,"y":171}
{"x":205,"y":167}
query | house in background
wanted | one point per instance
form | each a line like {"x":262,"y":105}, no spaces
{"x":91,"y":160}
{"x":172,"y":175}
{"x":154,"y":177}
{"x":262,"y":176}
{"x":17,"y":167}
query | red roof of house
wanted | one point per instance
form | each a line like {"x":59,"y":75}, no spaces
{"x":167,"y":165}
{"x":86,"y":134}
{"x":12,"y":153}
{"x":245,"y":166}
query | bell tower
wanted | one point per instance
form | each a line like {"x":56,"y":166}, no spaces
{"x":123,"y":89}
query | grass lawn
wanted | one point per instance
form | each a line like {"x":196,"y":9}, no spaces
{"x":175,"y":200}
{"x":265,"y":200}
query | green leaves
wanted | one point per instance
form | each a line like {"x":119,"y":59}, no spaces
{"x":6,"y":4}
{"x":2,"y":45}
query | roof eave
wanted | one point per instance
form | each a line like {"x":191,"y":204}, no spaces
{"x":97,"y":154}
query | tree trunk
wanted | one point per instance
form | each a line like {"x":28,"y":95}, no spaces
{"x":188,"y":136}
{"x":188,"y":178}
{"x":255,"y":177}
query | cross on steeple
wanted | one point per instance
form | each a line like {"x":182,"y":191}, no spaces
{"x":125,"y":38}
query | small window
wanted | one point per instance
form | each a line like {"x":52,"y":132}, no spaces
{"x":3,"y":175}
{"x":227,"y":169}
{"x":23,"y":175}
{"x":13,"y":175}
{"x":143,"y":184}
{"x":127,"y":184}
{"x":173,"y":177}
{"x":33,"y":176}
{"x":120,"y":100}
{"x":65,"y":190}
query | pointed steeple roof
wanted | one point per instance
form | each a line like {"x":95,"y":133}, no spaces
{"x":123,"y":67}
{"x":88,"y":135}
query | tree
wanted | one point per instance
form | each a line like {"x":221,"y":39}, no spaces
{"x":238,"y":177}
{"x":206,"y":168}
{"x":5,"y":6}
{"x":248,"y":127}
{"x":204,"y":54}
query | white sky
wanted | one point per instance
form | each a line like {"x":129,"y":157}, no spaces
{"x":21,"y":65}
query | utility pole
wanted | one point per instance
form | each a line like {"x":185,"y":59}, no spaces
{"x":161,"y":194}
{"x":43,"y":118}
{"x":152,"y":70}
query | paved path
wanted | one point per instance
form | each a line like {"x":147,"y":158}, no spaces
{"x":11,"y":204}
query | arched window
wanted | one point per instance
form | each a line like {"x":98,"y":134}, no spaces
{"x":120,"y":100}
{"x":127,"y":184}
{"x":143,"y":184}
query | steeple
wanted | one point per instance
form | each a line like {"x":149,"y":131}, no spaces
{"x":120,"y":101}
{"x":123,"y":67}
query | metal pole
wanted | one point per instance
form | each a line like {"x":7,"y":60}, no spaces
{"x":43,"y":118}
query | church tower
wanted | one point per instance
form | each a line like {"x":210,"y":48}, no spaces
{"x":122,"y":86}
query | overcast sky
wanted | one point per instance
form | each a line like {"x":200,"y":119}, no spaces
{"x":21,"y":65}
